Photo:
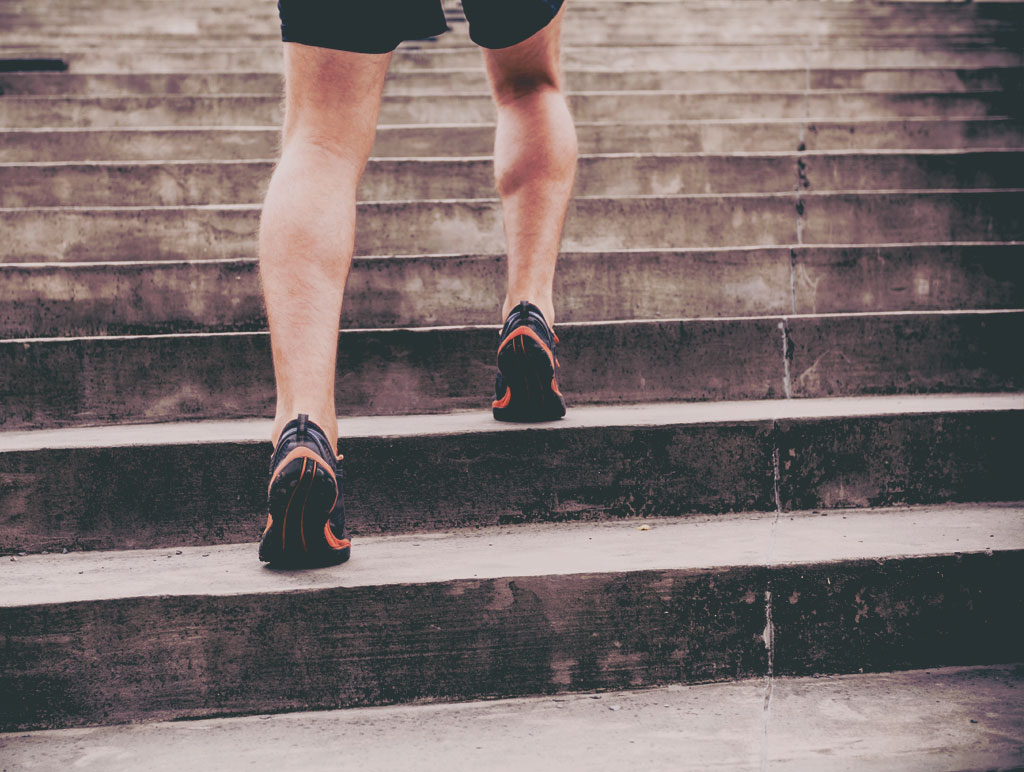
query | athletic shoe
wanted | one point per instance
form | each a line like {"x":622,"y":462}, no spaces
{"x":306,"y":522}
{"x":526,"y":388}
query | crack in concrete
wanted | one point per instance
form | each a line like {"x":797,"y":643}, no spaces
{"x":769,"y":624}
{"x":802,"y":184}
{"x":787,"y":355}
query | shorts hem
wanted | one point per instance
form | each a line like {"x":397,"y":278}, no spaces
{"x":355,"y":47}
{"x":535,"y":25}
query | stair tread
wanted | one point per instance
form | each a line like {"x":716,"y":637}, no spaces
{"x":535,"y":550}
{"x":944,"y":720}
{"x":663,"y":413}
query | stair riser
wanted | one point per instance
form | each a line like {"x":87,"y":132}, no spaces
{"x":467,"y":639}
{"x":576,"y":32}
{"x":396,"y":372}
{"x":118,"y":299}
{"x":474,"y":80}
{"x":641,"y":107}
{"x":445,"y":227}
{"x":234,"y":58}
{"x":798,"y":18}
{"x":187,"y":184}
{"x":686,"y":137}
{"x":215,"y":493}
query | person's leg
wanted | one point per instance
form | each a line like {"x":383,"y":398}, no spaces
{"x":307,"y":230}
{"x":534,"y":161}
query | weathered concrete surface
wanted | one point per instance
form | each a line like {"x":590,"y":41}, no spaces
{"x":900,"y":458}
{"x":904,"y":353}
{"x":468,"y":80}
{"x":238,"y":57}
{"x":907,"y":277}
{"x":643,"y":106}
{"x":254,"y":142}
{"x":848,"y":31}
{"x":40,"y":234}
{"x":704,"y":19}
{"x":505,"y":613}
{"x":130,"y":298}
{"x":103,"y":379}
{"x":697,"y":542}
{"x":940,"y":720}
{"x":63,"y":382}
{"x":54,"y":299}
{"x":206,"y":482}
{"x":185,"y":183}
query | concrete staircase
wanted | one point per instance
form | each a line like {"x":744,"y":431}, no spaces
{"x":791,"y":301}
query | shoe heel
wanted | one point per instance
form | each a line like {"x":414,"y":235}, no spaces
{"x":526,"y":368}
{"x":300,"y":502}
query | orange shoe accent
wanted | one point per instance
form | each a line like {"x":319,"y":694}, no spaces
{"x":524,"y":330}
{"x":333,"y":541}
{"x":503,"y":402}
{"x":554,"y":387}
{"x":270,"y":522}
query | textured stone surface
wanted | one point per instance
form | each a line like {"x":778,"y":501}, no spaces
{"x":103,"y":380}
{"x":446,"y":227}
{"x":944,"y":720}
{"x":424,"y":473}
{"x":899,"y":459}
{"x":677,"y":136}
{"x":654,"y":107}
{"x":474,"y":80}
{"x":137,"y":298}
{"x":376,"y":645}
{"x":237,"y":56}
{"x":901,"y":353}
{"x":65,"y":382}
{"x":186,"y":183}
{"x":545,"y":614}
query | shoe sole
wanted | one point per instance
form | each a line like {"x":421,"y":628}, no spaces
{"x":531,"y":392}
{"x":301,"y":498}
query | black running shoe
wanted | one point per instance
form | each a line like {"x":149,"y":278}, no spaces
{"x":526,"y":388}
{"x":306,"y":522}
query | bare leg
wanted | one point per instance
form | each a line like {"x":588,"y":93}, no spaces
{"x":534,"y":161}
{"x":307,"y":231}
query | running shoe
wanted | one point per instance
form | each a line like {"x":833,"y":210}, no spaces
{"x":306,"y":521}
{"x":526,"y":388}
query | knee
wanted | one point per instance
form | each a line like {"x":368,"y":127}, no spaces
{"x":511,"y":88}
{"x":322,"y":148}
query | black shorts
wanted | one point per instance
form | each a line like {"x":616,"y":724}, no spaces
{"x":378,"y":26}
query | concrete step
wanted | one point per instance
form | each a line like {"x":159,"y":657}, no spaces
{"x":130,"y":298}
{"x":86,"y":234}
{"x":847,"y":31}
{"x":507,"y":612}
{"x":955,"y":719}
{"x":666,"y":25}
{"x":187,"y":183}
{"x":762,"y":18}
{"x":732,"y":136}
{"x":161,"y":485}
{"x":50,"y":382}
{"x":618,"y":106}
{"x":236,"y":57}
{"x":469,"y":80}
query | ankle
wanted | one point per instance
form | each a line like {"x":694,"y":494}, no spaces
{"x":545,"y":304}
{"x":322,"y":418}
